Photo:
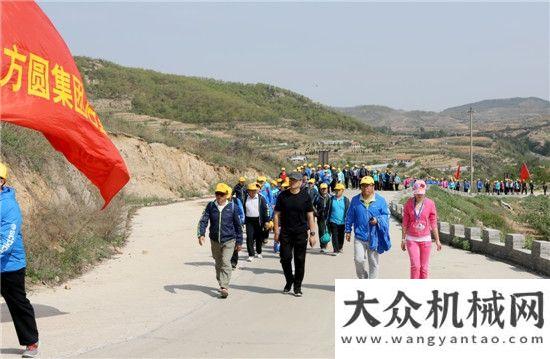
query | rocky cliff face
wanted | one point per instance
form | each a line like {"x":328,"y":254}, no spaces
{"x":166,"y":172}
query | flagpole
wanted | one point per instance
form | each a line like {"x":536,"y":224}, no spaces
{"x":470,"y":112}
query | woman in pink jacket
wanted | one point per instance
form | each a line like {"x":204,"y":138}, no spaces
{"x":419,"y":223}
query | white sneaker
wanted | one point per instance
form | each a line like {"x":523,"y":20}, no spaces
{"x":323,"y":250}
{"x":31,"y":351}
{"x":250,"y":259}
{"x":259,"y":256}
{"x":334,"y":254}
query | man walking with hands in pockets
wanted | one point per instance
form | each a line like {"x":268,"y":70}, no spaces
{"x":293,"y":217}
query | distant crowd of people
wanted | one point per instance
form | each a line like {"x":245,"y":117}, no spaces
{"x":505,"y":186}
{"x":349,"y":176}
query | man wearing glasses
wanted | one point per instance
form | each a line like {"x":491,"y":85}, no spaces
{"x":226,"y":234}
{"x":368,"y":215}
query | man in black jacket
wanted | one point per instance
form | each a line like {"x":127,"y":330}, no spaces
{"x":256,"y":212}
{"x":347,"y":175}
{"x":321,"y":207}
{"x":239,"y":190}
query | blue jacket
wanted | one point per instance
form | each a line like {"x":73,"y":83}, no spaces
{"x":358,"y":217}
{"x":12,"y":251}
{"x":266,"y":192}
{"x":224,"y":226}
{"x":240,"y":209}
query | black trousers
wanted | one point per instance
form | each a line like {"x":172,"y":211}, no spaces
{"x":13,"y":290}
{"x":235,"y":258}
{"x":321,"y":226}
{"x":293,"y":245}
{"x":254,"y":236}
{"x":337,"y":232}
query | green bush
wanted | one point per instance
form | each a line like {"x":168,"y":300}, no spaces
{"x":461,"y":243}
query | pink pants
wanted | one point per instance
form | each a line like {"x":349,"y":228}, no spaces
{"x":419,"y":254}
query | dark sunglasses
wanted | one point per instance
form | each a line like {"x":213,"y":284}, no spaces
{"x":220,"y":193}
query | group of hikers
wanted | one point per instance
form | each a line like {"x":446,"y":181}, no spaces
{"x":294,"y":205}
{"x":349,"y":176}
{"x":505,"y":186}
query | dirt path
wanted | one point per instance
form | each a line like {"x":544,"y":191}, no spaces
{"x":158,"y":298}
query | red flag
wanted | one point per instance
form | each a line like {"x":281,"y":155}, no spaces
{"x":42,"y":89}
{"x":524,"y":173}
{"x":457,"y":173}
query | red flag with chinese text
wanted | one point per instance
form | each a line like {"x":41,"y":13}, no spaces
{"x":41,"y":88}
{"x":457,"y":173}
{"x":524,"y":173}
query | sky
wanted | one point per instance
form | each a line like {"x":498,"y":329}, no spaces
{"x":411,"y":56}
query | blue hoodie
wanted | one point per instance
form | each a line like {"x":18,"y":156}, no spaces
{"x":358,"y":217}
{"x":12,"y":251}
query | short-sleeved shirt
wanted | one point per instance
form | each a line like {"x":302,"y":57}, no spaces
{"x":293,"y":210}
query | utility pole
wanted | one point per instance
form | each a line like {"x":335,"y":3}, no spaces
{"x":470,"y":112}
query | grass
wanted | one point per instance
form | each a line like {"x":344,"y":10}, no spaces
{"x":65,"y":233}
{"x":24,"y":146}
{"x":206,"y":101}
{"x":535,"y":211}
{"x":65,"y":239}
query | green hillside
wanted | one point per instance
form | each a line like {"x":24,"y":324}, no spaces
{"x":200,"y":100}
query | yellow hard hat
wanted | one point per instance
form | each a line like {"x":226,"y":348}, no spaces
{"x":229,"y":191}
{"x":311,"y":165}
{"x":285,"y":184}
{"x":274,"y":182}
{"x":3,"y":171}
{"x":262,"y":178}
{"x":253,"y":186}
{"x":369,"y":168}
{"x":319,"y":166}
{"x":279,"y":180}
{"x":222,"y":187}
{"x":367,"y":180}
{"x":242,"y":179}
{"x":283,"y":169}
{"x":323,"y":185}
{"x":312,"y":180}
{"x":339,"y":186}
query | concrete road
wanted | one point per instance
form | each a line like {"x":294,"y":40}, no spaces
{"x":159,"y":298}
